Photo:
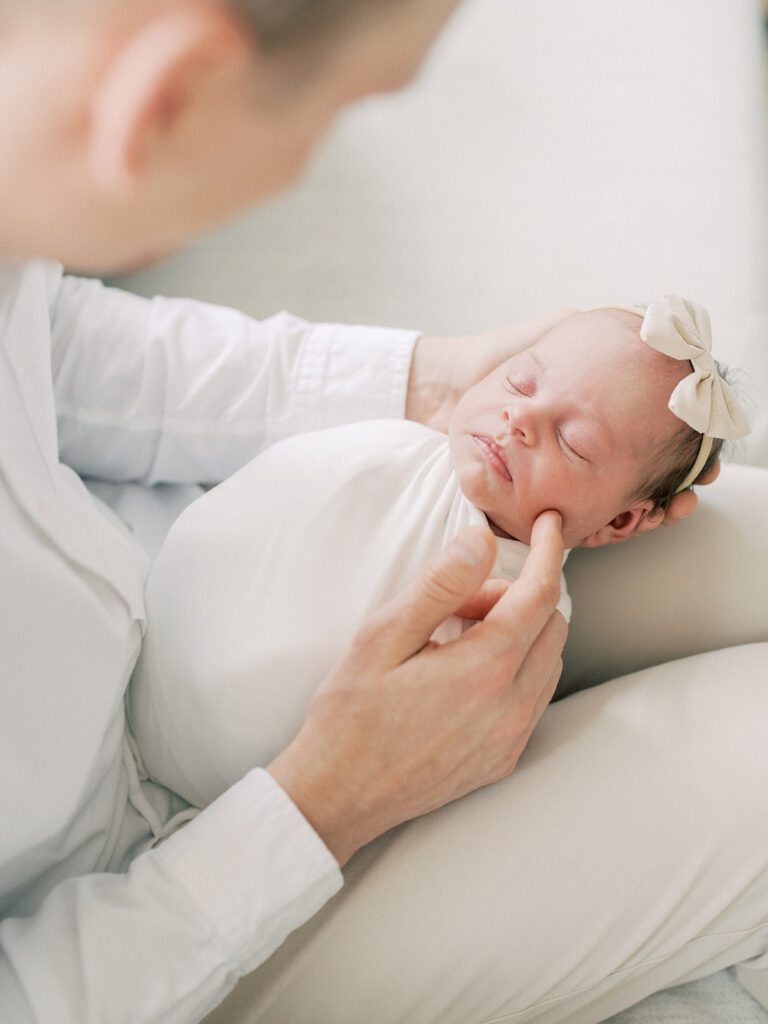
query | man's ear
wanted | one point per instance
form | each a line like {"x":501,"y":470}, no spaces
{"x":150,"y":79}
{"x":625,"y":524}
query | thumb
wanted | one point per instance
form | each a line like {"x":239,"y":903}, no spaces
{"x":446,"y":584}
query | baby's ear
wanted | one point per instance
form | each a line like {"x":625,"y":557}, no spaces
{"x":624,"y":525}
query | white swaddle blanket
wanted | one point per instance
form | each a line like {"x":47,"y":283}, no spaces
{"x":263,"y":582}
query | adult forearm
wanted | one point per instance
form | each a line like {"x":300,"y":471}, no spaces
{"x":178,"y":391}
{"x":167,"y":940}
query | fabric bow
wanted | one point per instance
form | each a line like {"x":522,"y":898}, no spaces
{"x":703,"y":400}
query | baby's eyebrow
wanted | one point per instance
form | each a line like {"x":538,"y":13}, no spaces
{"x":536,"y":358}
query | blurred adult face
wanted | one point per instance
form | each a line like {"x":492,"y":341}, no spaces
{"x":126,"y":128}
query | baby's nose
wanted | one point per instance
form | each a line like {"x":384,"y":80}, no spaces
{"x":520,"y":423}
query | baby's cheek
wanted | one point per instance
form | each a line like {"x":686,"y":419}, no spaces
{"x":472,"y":483}
{"x":510,"y":515}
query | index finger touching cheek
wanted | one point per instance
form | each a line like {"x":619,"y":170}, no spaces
{"x":524,"y":610}
{"x":547,"y":535}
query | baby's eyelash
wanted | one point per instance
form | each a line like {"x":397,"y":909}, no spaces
{"x":525,"y":388}
{"x":573,"y":451}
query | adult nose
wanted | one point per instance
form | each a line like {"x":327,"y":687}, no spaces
{"x":521,"y":422}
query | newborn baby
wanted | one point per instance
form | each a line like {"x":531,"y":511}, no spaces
{"x":263,"y":582}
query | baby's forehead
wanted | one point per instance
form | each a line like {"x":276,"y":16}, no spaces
{"x":619,"y":327}
{"x":610,"y":338}
{"x":604,"y":355}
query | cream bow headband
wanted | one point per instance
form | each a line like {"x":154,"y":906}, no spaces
{"x":703,"y":400}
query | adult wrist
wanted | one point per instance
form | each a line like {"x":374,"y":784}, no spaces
{"x":322,"y":801}
{"x":430,"y":383}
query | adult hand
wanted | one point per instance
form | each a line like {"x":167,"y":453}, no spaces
{"x":681,"y":506}
{"x":403,"y":725}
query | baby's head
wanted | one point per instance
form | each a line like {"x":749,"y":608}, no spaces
{"x":580,"y":423}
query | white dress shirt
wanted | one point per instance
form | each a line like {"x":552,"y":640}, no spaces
{"x":98,"y":925}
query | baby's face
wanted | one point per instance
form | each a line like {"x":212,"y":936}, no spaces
{"x":571,"y":424}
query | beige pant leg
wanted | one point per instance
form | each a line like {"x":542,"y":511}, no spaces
{"x":628,"y":852}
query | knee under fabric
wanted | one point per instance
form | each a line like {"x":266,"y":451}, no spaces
{"x":263,"y":583}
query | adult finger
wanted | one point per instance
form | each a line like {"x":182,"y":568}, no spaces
{"x":681,"y":506}
{"x":711,"y":475}
{"x":478,"y":606}
{"x":548,"y":651}
{"x":544,"y":699}
{"x":403,"y":626}
{"x":520,"y":615}
{"x":684,"y":504}
{"x":543,"y":658}
{"x":535,"y":683}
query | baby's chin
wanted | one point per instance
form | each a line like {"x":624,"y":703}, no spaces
{"x":523,"y":535}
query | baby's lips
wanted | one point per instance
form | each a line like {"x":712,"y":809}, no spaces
{"x":493,"y":452}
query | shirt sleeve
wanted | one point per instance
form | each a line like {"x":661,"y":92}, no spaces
{"x":166,"y":942}
{"x":180,"y":391}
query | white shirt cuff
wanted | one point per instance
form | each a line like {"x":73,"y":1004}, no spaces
{"x":254,"y":867}
{"x":350,"y":374}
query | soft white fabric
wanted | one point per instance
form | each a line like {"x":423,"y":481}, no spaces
{"x":145,"y":391}
{"x":263,"y":583}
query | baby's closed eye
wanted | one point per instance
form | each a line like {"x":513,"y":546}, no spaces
{"x":568,"y":448}
{"x":520,"y":385}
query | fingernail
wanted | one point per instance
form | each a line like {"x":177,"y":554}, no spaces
{"x":469,"y":548}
